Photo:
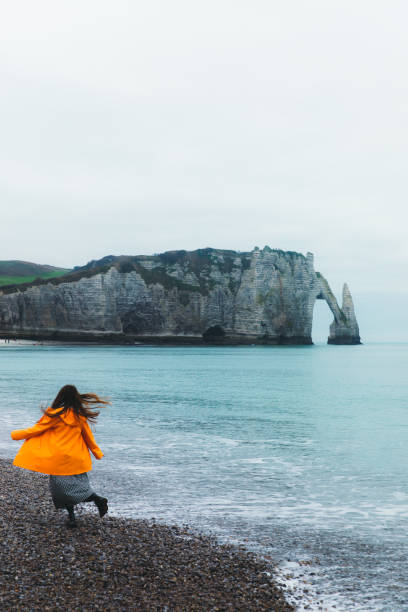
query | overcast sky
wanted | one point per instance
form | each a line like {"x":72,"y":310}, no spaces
{"x":139,"y":127}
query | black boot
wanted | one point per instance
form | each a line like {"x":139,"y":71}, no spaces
{"x":100,"y":502}
{"x":71,"y":517}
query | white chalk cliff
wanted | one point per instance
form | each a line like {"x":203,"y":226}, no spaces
{"x":209,"y":295}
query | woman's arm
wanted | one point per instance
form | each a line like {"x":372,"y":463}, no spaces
{"x":42,"y":425}
{"x":90,"y":441}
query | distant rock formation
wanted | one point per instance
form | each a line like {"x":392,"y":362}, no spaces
{"x":344,"y":329}
{"x":205,"y":296}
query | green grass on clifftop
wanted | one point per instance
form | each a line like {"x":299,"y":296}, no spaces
{"x":16,"y":280}
{"x":17,"y":272}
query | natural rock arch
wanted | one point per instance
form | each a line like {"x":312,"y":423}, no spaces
{"x":344,"y":329}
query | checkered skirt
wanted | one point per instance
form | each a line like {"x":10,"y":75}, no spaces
{"x":70,"y":490}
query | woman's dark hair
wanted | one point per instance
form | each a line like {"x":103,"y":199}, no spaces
{"x":69,"y":397}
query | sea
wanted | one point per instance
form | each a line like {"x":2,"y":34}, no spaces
{"x":299,"y":454}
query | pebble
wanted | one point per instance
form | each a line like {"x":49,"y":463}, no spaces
{"x":115,"y":563}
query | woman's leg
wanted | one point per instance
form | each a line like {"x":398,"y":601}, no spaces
{"x":71,"y":517}
{"x":100,"y":502}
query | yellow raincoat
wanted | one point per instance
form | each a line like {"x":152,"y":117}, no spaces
{"x":57,"y":445}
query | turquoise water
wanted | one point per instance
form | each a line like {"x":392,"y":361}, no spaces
{"x":299,"y":452}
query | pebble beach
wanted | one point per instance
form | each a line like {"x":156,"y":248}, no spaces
{"x":117,"y":563}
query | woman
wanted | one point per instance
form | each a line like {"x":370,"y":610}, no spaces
{"x":59,"y":445}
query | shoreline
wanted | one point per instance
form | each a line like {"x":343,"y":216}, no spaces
{"x":118,"y":563}
{"x":121,"y":339}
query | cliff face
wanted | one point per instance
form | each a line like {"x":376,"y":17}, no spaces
{"x":222,"y":296}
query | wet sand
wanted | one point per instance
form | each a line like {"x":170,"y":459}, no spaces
{"x":116,"y":564}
